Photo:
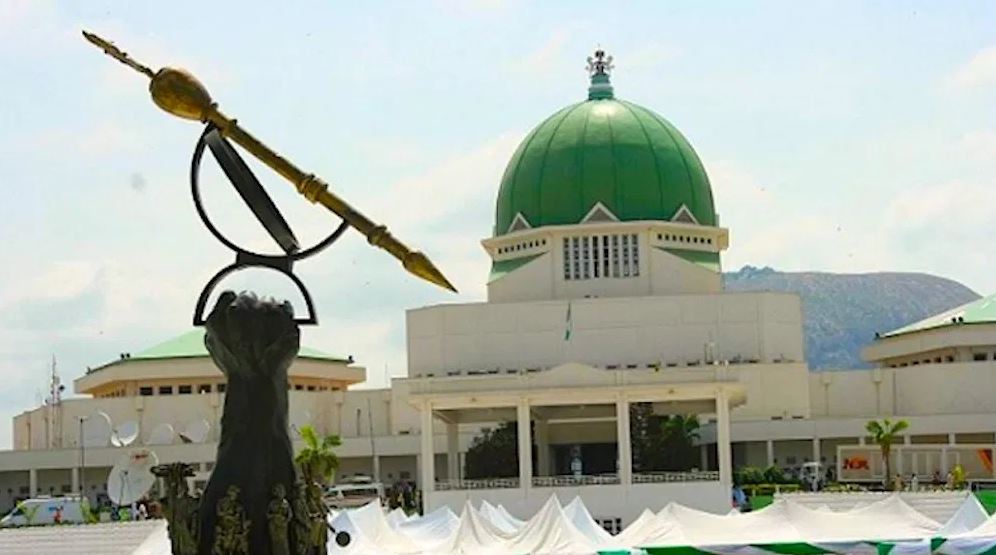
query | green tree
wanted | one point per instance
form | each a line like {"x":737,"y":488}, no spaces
{"x":884,"y":433}
{"x":316,"y":460}
{"x":494,"y":453}
{"x":679,"y":432}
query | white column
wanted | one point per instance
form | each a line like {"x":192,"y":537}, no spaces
{"x":376,"y":467}
{"x":543,"y":448}
{"x":428,"y":456}
{"x":703,"y":457}
{"x":770,"y":445}
{"x":816,"y":449}
{"x":625,"y":445}
{"x":525,"y":445}
{"x":75,"y":479}
{"x":452,"y":451}
{"x":907,"y":439}
{"x":723,"y":449}
{"x":33,"y":482}
{"x":951,"y":439}
{"x":861,"y":440}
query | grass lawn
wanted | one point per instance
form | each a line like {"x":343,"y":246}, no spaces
{"x":988,"y":499}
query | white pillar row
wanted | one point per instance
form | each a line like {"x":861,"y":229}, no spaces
{"x":625,"y":450}
{"x":75,"y":479}
{"x":452,"y":451}
{"x":543,"y":448}
{"x":770,"y":445}
{"x":723,"y":448}
{"x":816,"y":449}
{"x":33,"y":482}
{"x":428,"y":458}
{"x":525,"y":445}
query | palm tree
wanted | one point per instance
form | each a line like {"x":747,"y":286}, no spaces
{"x":683,"y":428}
{"x":317,"y":461}
{"x":884,"y":433}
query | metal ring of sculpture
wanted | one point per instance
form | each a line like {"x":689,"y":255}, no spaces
{"x":266,"y":212}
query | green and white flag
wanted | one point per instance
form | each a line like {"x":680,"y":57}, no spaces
{"x":570,"y":323}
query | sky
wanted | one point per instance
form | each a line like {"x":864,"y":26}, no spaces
{"x":838,"y":136}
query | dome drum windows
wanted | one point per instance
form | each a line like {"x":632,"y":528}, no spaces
{"x":519,"y":247}
{"x":601,"y":256}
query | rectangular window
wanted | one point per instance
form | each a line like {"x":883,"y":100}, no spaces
{"x":204,"y":388}
{"x":586,"y":257}
{"x":978,"y":357}
{"x":634,"y":255}
{"x":625,"y":255}
{"x":594,"y":256}
{"x":145,"y":391}
{"x":185,"y":389}
{"x":165,"y":390}
{"x":221,"y":387}
{"x":576,"y":257}
{"x":615,"y":256}
{"x":605,"y":256}
{"x":567,"y":259}
{"x":311,"y":388}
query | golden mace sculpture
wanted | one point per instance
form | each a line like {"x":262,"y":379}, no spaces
{"x":181,"y":94}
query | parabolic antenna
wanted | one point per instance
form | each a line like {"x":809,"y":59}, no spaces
{"x":125,"y":434}
{"x":132,"y":477}
{"x":162,"y":434}
{"x":196,"y":432}
{"x":97,"y":430}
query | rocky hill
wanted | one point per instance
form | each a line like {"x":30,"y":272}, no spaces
{"x":843,"y":311}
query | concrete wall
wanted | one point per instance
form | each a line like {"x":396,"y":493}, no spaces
{"x":679,"y":329}
{"x":660,"y":273}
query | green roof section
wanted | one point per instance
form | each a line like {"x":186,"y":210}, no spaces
{"x":191,"y":345}
{"x":604,"y":150}
{"x":708,"y":260}
{"x":501,"y":268}
{"x":980,"y":311}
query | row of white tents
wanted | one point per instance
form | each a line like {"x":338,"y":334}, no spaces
{"x":790,"y":526}
{"x":889,"y":525}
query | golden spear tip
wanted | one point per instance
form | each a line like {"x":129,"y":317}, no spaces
{"x":418,"y":264}
{"x":113,"y":51}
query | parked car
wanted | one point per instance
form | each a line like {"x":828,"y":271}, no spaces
{"x":46,"y":510}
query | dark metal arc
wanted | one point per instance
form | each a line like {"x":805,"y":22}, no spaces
{"x":239,"y":174}
{"x":251,"y":191}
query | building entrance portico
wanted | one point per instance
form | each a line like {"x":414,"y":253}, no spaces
{"x":577,"y":408}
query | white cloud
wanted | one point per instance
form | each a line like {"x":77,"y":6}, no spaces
{"x":980,"y":71}
{"x":544,"y":58}
{"x":979,"y":145}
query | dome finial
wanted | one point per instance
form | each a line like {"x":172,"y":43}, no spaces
{"x":599,"y":68}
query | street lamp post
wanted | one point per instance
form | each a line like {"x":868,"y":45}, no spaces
{"x":82,"y":461}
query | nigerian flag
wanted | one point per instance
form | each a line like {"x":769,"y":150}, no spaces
{"x":569,"y":324}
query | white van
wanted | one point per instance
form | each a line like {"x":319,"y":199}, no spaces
{"x":355,"y":493}
{"x":46,"y":510}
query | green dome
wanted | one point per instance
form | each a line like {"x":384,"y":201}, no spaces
{"x":604,"y":150}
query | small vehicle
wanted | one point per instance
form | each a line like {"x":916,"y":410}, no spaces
{"x":358,"y":491}
{"x":46,"y":510}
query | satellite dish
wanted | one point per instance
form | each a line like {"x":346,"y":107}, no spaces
{"x":125,"y":434}
{"x":161,"y":435}
{"x":132,"y":477}
{"x":196,"y":432}
{"x":97,"y":430}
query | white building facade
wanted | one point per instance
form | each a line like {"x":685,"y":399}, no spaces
{"x":605,"y":291}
